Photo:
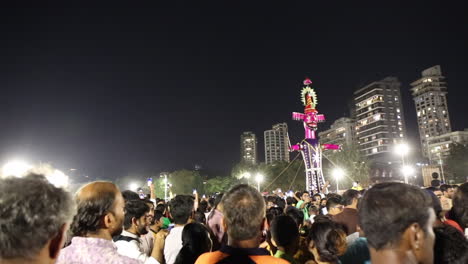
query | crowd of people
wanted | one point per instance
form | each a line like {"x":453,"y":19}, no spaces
{"x":389,"y":222}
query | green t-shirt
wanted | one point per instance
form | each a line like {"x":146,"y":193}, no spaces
{"x":282,"y":255}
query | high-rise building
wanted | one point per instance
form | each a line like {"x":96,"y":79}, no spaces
{"x":439,"y":146}
{"x":430,"y":97}
{"x":379,"y":118}
{"x":248,"y":142}
{"x":276,"y":143}
{"x":341,"y":132}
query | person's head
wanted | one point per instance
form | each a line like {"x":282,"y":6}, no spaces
{"x":161,"y":207}
{"x":447,"y":190}
{"x":305,"y":196}
{"x":280,"y":202}
{"x":203,"y":206}
{"x":450,"y":247}
{"x":195,"y":241}
{"x":199,"y":217}
{"x":316,"y":199}
{"x":136,"y":217}
{"x":313,"y":210}
{"x":297,"y":215}
{"x":437,"y":192}
{"x":327,"y":240}
{"x":244,"y":213}
{"x":334,"y":205}
{"x":290,"y":201}
{"x":157,"y":220}
{"x":151,"y":211}
{"x":181,"y":209}
{"x":459,"y":210}
{"x":34,"y":217}
{"x":272,"y":213}
{"x":350,"y":198}
{"x":130,"y":195}
{"x":398,"y":217}
{"x":100,"y":211}
{"x":285,"y":233}
{"x":323,"y":202}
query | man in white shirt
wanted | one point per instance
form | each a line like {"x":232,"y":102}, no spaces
{"x":135,"y":224}
{"x":181,"y":209}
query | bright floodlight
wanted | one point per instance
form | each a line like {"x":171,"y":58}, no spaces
{"x":133,"y":186}
{"x":338,"y":173}
{"x":246,"y":175}
{"x":15,"y":168}
{"x":58,"y":178}
{"x":402,"y":149}
{"x":407,"y":170}
{"x":259,"y":177}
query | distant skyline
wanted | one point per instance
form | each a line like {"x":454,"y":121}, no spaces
{"x":126,"y":89}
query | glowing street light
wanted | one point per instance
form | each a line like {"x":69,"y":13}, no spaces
{"x":402,"y":149}
{"x":407,"y":171}
{"x":258,"y":179}
{"x":15,"y":168}
{"x":338,"y":174}
{"x":133,"y":186}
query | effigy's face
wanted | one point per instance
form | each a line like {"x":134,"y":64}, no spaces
{"x":311,"y":121}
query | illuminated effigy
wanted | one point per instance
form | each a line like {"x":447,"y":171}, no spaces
{"x":310,"y":148}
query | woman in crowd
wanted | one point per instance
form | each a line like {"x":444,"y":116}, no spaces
{"x":327,"y":241}
{"x":459,"y":211}
{"x":195,"y":241}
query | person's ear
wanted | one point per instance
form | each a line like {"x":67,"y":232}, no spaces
{"x":107,"y":220}
{"x":224,"y":225}
{"x":135,"y":221}
{"x":415,"y":236}
{"x":57,"y":242}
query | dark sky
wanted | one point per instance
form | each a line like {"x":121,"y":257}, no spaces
{"x":130,"y":89}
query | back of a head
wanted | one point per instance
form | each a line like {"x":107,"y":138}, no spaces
{"x":94,"y":200}
{"x":272,"y":213}
{"x":32,"y":212}
{"x":349,"y":196}
{"x":284,"y":230}
{"x":130,"y":195}
{"x":445,"y":187}
{"x":460,"y":206}
{"x":450,"y":247}
{"x":195,"y":241}
{"x":244,"y":212}
{"x":328,"y":238}
{"x":296,"y":214}
{"x":134,"y":209}
{"x":387,"y":209}
{"x":333,"y":202}
{"x":181,"y":208}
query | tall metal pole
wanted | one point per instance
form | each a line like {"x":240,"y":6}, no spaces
{"x":403,"y":166}
{"x":165,"y":187}
{"x":441,"y":168}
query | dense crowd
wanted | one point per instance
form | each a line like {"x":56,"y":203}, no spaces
{"x":387,"y":223}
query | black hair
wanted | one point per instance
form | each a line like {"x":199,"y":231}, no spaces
{"x":328,"y":237}
{"x":88,"y":218}
{"x":181,"y":208}
{"x":445,"y":187}
{"x":296,"y":214}
{"x":280,"y":202}
{"x":195,"y":241}
{"x":450,"y":246}
{"x":314,"y":209}
{"x":130,"y":195}
{"x":284,"y":230}
{"x":333,"y":202}
{"x":202,"y":206}
{"x":200,"y":217}
{"x":290,"y":200}
{"x":272,"y":213}
{"x":157,"y":215}
{"x":459,"y":211}
{"x":349,"y":196}
{"x":160,"y":207}
{"x":134,"y":209}
{"x":387,"y":209}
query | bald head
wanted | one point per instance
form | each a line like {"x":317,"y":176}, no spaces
{"x":98,"y":203}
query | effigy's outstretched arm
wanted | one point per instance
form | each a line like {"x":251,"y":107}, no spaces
{"x":296,"y":147}
{"x":331,"y":146}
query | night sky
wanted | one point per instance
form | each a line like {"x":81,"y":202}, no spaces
{"x":133,"y":89}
